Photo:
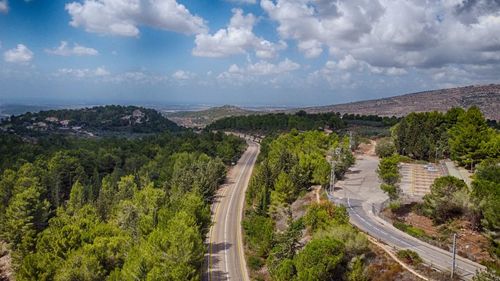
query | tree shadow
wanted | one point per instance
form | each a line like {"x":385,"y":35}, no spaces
{"x":212,"y":258}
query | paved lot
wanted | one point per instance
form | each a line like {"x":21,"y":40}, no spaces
{"x":416,"y":179}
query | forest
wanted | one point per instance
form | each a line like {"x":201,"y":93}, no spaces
{"x":465,"y":136}
{"x":98,"y":120}
{"x":303,"y":121}
{"x":110,"y":208}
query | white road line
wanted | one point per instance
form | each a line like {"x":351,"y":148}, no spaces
{"x":395,"y":238}
{"x":229,"y":207}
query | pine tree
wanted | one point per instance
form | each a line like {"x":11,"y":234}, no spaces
{"x":468,"y":137}
{"x":76,"y":197}
{"x":25,"y":217}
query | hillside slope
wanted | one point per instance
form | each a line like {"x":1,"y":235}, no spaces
{"x":486,"y":97}
{"x":100,"y":120}
{"x":204,"y":117}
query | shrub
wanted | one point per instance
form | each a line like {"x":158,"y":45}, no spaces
{"x":394,"y":206}
{"x":385,"y":148}
{"x":255,"y":262}
{"x":321,"y":215}
{"x":448,"y":199}
{"x":391,"y":190}
{"x":409,"y":257}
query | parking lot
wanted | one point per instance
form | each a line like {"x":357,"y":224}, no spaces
{"x":416,"y":179}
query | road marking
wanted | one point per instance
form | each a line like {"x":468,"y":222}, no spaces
{"x":246,"y":159}
{"x":228,"y":211}
{"x":222,"y":195}
{"x":402,"y":241}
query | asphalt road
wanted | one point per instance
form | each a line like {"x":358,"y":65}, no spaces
{"x":360,"y":191}
{"x":225,"y":258}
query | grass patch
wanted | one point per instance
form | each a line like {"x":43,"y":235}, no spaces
{"x":413,"y":231}
{"x":409,"y":257}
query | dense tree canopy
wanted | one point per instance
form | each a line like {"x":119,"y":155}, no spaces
{"x":98,"y":120}
{"x":111,"y":208}
{"x":463,"y":135}
{"x":301,"y":120}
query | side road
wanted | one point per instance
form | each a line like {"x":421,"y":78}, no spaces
{"x":360,"y":191}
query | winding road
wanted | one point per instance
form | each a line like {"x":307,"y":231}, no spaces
{"x":360,"y":193}
{"x":225,"y":258}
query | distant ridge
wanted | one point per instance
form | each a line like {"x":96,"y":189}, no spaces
{"x":486,"y":97}
{"x":204,"y":117}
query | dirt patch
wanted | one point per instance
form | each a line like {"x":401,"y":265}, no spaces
{"x":381,"y":267}
{"x":471,"y":244}
{"x":421,"y":222}
{"x":5,"y":263}
{"x":299,"y":208}
{"x":367,"y":148}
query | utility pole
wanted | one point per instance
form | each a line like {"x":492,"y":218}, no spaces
{"x":332,"y":177}
{"x":333,"y":162}
{"x":351,"y":141}
{"x":453,"y":262}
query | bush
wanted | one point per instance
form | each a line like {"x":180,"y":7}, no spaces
{"x":448,"y":199}
{"x":254,"y":262}
{"x":409,"y":257}
{"x":3,"y":249}
{"x":391,"y":190}
{"x":394,"y":206}
{"x":385,"y":148}
{"x":320,"y":259}
{"x":322,"y":215}
{"x":258,"y":233}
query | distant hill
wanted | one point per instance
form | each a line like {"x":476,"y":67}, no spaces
{"x":100,"y":120}
{"x":204,"y":117}
{"x":486,"y":97}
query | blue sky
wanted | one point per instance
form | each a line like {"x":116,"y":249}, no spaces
{"x":245,"y":52}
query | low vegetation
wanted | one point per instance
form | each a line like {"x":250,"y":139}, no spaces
{"x":412,"y":230}
{"x":409,"y":257}
{"x":385,"y":148}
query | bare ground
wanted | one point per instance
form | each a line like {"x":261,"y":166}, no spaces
{"x":5,"y":263}
{"x":471,"y":243}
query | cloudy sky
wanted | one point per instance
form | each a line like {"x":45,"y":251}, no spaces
{"x":246,"y":52}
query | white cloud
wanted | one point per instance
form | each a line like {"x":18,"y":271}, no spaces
{"x":77,"y":50}
{"x":348,"y":62}
{"x":83,"y":72}
{"x":4,"y":6}
{"x":243,"y":1}
{"x":182,"y":75}
{"x":123,"y":17}
{"x":20,"y":54}
{"x":261,"y":72}
{"x":392,"y":35}
{"x":237,"y":38}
